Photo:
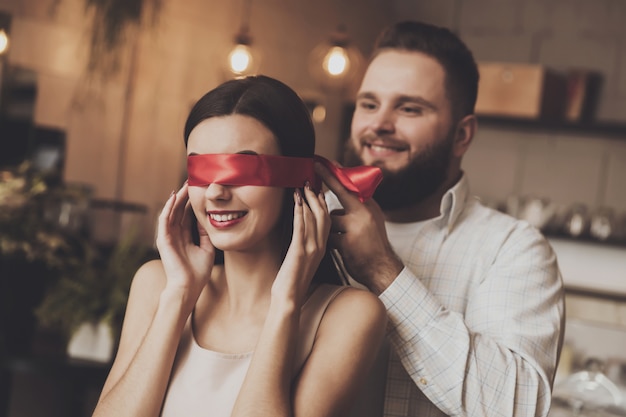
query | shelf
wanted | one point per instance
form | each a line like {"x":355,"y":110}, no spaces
{"x":615,"y":130}
{"x":591,"y":268}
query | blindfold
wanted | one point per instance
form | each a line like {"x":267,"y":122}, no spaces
{"x":277,"y":171}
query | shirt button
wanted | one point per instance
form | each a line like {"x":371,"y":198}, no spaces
{"x":423,"y":381}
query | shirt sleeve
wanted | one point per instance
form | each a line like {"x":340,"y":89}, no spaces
{"x":498,"y":357}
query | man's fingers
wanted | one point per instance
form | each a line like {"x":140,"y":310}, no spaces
{"x":346,"y":198}
{"x":337,"y":224}
{"x":336,"y":240}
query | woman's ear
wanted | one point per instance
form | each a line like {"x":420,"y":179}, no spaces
{"x":465,"y":130}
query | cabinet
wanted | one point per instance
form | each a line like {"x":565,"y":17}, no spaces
{"x":591,"y":267}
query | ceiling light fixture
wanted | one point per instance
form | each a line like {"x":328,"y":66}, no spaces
{"x":336,"y":62}
{"x":4,"y":41}
{"x":242,"y":59}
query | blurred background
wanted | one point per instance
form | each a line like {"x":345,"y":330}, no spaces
{"x":94,"y":95}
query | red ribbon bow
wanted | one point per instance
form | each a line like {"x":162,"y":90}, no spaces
{"x":277,"y":171}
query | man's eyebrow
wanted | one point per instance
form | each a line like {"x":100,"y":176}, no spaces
{"x":244,"y":152}
{"x":367,"y":95}
{"x":417,"y":100}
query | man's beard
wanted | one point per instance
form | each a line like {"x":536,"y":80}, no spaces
{"x":424,"y":174}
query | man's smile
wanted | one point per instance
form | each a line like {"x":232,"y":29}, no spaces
{"x":383,"y":148}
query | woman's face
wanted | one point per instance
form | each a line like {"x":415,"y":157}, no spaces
{"x":237,"y":218}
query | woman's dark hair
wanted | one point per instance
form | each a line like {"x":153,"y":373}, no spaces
{"x":280,"y":110}
{"x":445,"y":47}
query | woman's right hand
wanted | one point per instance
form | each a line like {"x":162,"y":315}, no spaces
{"x":187,"y":265}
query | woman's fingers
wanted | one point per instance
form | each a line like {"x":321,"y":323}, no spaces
{"x":320,"y":218}
{"x":165,"y":216}
{"x":298,"y":221}
{"x":172,"y":217}
{"x":186,"y":222}
{"x":178,"y":210}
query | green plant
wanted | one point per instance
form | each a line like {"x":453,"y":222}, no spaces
{"x":35,"y":248}
{"x":95,"y":289}
{"x":111,"y":20}
{"x":24,"y":231}
{"x":56,"y":269}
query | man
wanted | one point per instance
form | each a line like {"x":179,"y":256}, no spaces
{"x":474,"y":297}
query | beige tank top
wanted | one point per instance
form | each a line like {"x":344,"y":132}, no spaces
{"x":206,"y":383}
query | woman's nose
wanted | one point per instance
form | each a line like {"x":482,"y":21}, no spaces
{"x":216,"y":191}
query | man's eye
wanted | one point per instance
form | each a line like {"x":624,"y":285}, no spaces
{"x":367,"y":105}
{"x":411,"y":110}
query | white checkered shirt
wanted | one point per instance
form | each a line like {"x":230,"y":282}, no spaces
{"x":476,"y":316}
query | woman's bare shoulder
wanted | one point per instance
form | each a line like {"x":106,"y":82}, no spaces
{"x":356,"y":298}
{"x":361,"y":306}
{"x":149,"y":278}
{"x":346,"y":345}
{"x":143,"y":299}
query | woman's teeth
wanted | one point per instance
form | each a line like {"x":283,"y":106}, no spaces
{"x":226,"y":217}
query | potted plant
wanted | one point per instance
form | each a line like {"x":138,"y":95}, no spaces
{"x":33,"y":251}
{"x":87,"y":303}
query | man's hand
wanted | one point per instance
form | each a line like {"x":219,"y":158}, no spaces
{"x":358,"y":232}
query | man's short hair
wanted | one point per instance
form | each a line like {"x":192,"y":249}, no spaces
{"x":443,"y":45}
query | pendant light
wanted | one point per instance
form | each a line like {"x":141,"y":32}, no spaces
{"x":5,"y":23}
{"x":336,"y":63}
{"x":4,"y":41}
{"x":242,"y":59}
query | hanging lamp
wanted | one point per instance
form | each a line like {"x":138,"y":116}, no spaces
{"x":242,"y":59}
{"x":4,"y":41}
{"x":336,"y":63}
{"x":5,"y":25}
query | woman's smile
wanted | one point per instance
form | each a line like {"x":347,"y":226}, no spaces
{"x":221,"y":219}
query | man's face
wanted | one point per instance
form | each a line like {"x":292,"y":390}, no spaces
{"x":402,"y":123}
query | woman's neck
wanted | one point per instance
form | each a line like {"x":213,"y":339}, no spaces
{"x":231,"y":311}
{"x":247,"y":279}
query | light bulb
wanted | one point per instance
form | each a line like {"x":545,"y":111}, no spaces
{"x":336,"y":64}
{"x":240,"y":59}
{"x":336,"y":61}
{"x":319,"y":113}
{"x":4,"y":41}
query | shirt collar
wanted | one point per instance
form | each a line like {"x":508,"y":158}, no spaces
{"x":453,"y":203}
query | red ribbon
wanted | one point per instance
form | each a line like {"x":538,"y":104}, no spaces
{"x":277,"y":171}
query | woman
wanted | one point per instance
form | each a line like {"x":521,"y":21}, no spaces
{"x":263,"y":333}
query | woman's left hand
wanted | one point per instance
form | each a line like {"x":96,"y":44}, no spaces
{"x":311,"y":226}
